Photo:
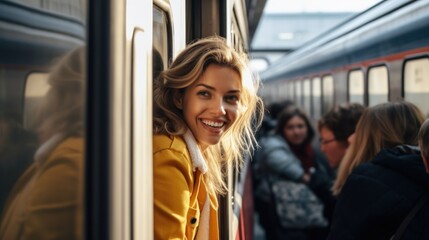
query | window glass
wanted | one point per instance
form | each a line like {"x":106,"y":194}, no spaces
{"x":316,"y":89}
{"x":378,"y":86}
{"x":278,"y":88}
{"x":306,"y":95}
{"x":328,"y":93}
{"x":356,"y":87}
{"x":291,"y":90}
{"x":416,"y":83}
{"x":35,"y":91}
{"x":160,"y":41}
{"x":282,"y":90}
{"x":42,"y":88}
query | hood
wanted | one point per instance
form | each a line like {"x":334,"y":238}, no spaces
{"x":406,"y":160}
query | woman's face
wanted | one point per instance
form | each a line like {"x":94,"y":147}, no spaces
{"x":295,"y":131}
{"x":210,"y":105}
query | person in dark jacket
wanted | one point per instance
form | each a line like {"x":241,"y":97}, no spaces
{"x":382,"y":177}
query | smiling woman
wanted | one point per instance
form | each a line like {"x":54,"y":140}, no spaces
{"x":205,"y":111}
{"x":210,"y":106}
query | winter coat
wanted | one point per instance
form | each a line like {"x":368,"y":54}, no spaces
{"x":378,"y":195}
{"x":47,"y":200}
{"x":276,"y":160}
{"x":179,"y":192}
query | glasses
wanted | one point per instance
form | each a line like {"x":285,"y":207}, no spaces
{"x":323,"y":141}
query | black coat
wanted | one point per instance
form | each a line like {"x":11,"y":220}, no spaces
{"x":378,"y":195}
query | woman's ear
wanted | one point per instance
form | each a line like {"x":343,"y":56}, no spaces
{"x":178,"y":100}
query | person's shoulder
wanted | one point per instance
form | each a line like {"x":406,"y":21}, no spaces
{"x":171,"y":150}
{"x":274,"y":140}
{"x":162,"y":142}
{"x":69,"y":148}
{"x":74,"y":143}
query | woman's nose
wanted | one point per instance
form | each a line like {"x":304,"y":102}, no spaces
{"x":218,"y":107}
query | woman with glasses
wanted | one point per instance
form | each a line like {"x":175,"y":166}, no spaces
{"x":335,"y":128}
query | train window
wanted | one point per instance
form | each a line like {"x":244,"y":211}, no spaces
{"x":290,"y":91}
{"x":284,"y":91}
{"x":316,"y":89}
{"x":42,"y":105}
{"x":277,"y":89}
{"x":378,"y":86}
{"x":356,"y":87}
{"x":416,"y":83}
{"x":327,"y":93}
{"x":298,"y":92}
{"x":160,"y":41}
{"x":306,"y":95}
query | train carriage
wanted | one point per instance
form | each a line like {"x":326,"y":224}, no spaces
{"x":377,"y":56}
{"x":127,"y":43}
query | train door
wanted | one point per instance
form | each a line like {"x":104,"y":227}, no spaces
{"x":76,"y":115}
{"x":138,"y":39}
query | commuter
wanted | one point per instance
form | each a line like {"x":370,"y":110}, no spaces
{"x":207,"y":107}
{"x":270,"y":117}
{"x":383,"y":177}
{"x":47,"y":200}
{"x":268,"y":128}
{"x":424,"y":143}
{"x":287,"y":156}
{"x":335,"y":128}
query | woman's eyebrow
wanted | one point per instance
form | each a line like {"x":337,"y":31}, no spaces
{"x":213,"y":88}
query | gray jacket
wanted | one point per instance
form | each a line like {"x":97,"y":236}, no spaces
{"x":280,"y":161}
{"x":274,"y":160}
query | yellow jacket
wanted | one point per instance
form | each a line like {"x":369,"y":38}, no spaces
{"x":179,"y":192}
{"x":46,"y":201}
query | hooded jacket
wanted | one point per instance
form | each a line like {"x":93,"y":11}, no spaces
{"x":378,"y":195}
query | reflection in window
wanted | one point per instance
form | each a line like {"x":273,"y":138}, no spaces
{"x":36,"y":88}
{"x":356,"y":87}
{"x":416,"y":83}
{"x":378,"y":86}
{"x":160,"y":41}
{"x":50,"y":191}
{"x":328,"y":92}
{"x":42,"y":79}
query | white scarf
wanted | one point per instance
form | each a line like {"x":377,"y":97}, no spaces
{"x":199,"y":162}
{"x":47,"y":147}
{"x":195,"y":152}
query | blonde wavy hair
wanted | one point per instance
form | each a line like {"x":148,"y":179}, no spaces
{"x":382,"y":126}
{"x":62,"y":108}
{"x":239,"y":140}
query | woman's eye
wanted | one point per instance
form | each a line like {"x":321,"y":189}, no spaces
{"x":203,"y":93}
{"x":232,"y":98}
